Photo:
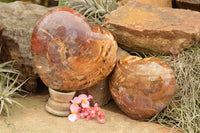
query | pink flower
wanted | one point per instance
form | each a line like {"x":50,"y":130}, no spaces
{"x":82,"y":115}
{"x":86,"y":113}
{"x":88,"y":117}
{"x":76,"y":100}
{"x":78,"y":116}
{"x":85,"y":103}
{"x":93,"y":113}
{"x":74,"y":108}
{"x":72,"y":117}
{"x":82,"y":97}
{"x":80,"y":107}
{"x":89,"y":98}
{"x":101,"y":115}
{"x":96,"y":107}
{"x":101,"y":120}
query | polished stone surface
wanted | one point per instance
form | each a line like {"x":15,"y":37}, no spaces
{"x":142,"y":87}
{"x":69,"y":53}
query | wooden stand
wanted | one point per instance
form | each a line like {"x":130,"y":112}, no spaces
{"x":59,"y":102}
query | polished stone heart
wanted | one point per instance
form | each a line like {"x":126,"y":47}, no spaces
{"x":70,"y":53}
{"x":142,"y":87}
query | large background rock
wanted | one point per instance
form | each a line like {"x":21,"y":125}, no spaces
{"x":19,"y":20}
{"x":159,"y":3}
{"x":150,"y":29}
{"x":48,"y":3}
{"x":188,"y":4}
{"x":3,"y":55}
{"x":1,"y":40}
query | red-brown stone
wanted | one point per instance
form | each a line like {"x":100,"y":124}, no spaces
{"x":142,"y":87}
{"x":69,"y":53}
{"x":149,"y":29}
{"x":188,"y":4}
{"x":100,"y":91}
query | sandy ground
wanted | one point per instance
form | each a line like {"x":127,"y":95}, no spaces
{"x":34,"y":119}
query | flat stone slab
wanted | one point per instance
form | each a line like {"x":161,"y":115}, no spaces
{"x":149,"y":29}
{"x":34,"y":119}
{"x":188,"y":4}
{"x":159,"y":3}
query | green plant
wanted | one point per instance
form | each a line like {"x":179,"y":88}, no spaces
{"x":8,"y":91}
{"x":7,"y":67}
{"x":94,"y":10}
{"x":7,"y":1}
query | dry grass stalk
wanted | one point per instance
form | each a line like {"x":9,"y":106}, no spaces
{"x":184,"y":110}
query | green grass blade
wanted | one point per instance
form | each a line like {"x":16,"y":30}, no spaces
{"x":8,"y":100}
{"x":7,"y":110}
{"x":62,"y":3}
{"x":2,"y":105}
{"x":15,"y":89}
{"x":17,"y":103}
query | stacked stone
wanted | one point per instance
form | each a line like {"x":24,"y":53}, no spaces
{"x":17,"y":37}
{"x":138,"y":26}
{"x":148,"y":27}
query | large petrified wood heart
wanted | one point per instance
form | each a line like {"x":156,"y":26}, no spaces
{"x":69,"y":53}
{"x":142,"y":87}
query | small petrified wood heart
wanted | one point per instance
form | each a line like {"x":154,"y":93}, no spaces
{"x":69,"y":53}
{"x":142,"y":87}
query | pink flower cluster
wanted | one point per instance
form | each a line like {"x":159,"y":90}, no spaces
{"x":80,"y":108}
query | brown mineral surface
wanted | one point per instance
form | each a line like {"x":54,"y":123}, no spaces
{"x":1,"y":31}
{"x":149,"y":29}
{"x":100,"y":91}
{"x":188,"y":4}
{"x":69,"y":53}
{"x":159,"y":3}
{"x":3,"y":47}
{"x":142,"y":87}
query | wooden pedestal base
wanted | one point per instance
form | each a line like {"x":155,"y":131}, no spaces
{"x":59,"y":102}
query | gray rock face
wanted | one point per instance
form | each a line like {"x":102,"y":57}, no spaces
{"x":19,"y":20}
